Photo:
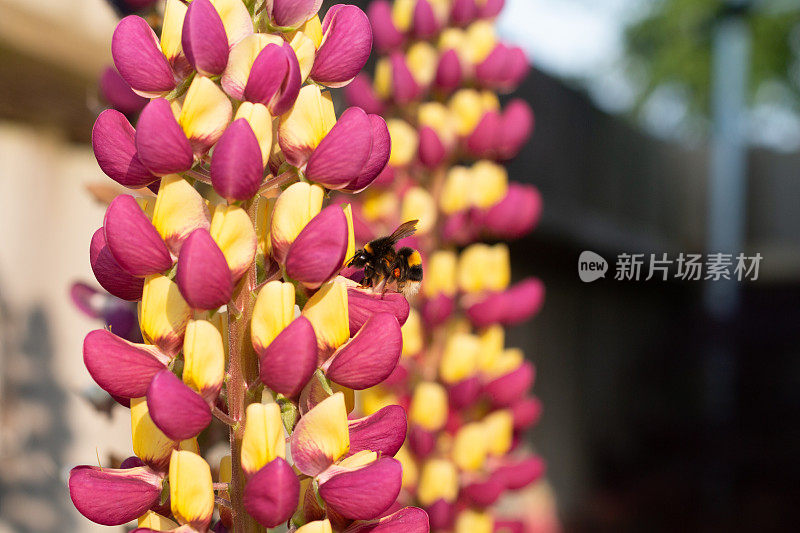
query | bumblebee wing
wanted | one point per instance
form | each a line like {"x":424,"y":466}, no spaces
{"x":406,"y":229}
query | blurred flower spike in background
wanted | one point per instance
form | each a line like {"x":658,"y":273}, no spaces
{"x":239,"y":207}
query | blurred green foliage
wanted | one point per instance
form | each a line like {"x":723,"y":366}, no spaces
{"x":671,"y":45}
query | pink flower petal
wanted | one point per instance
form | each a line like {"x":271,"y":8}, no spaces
{"x":448,"y":73}
{"x":509,"y":526}
{"x":176,"y":409}
{"x":382,"y":432}
{"x":518,"y":67}
{"x":436,"y":310}
{"x":493,"y":71}
{"x":516,"y":214}
{"x":132,"y":239}
{"x":359,"y":93}
{"x":364,"y":493}
{"x":119,"y":94}
{"x":363,"y":303}
{"x":161,"y":144}
{"x":112,"y":277}
{"x":516,"y":128}
{"x":509,"y":388}
{"x":272,"y":493}
{"x":121,"y":368}
{"x":491,"y":8}
{"x":421,"y":441}
{"x":404,"y":86}
{"x":442,"y":514}
{"x":203,"y":39}
{"x":274,"y":79}
{"x":342,"y":154}
{"x":387,"y":36}
{"x":406,"y":520}
{"x":113,"y":497}
{"x":463,"y":12}
{"x":515,"y":475}
{"x":431,"y":149}
{"x":289,"y":361}
{"x":138,"y":57}
{"x":293,"y":12}
{"x":483,"y":493}
{"x":514,"y":305}
{"x":526,"y":412}
{"x":370,"y":356}
{"x":465,"y":392}
{"x":346,"y":45}
{"x":203,"y":276}
{"x":236,"y":166}
{"x":378,"y":156}
{"x":483,"y":139}
{"x":424,"y":20}
{"x":115,"y":150}
{"x":318,"y":252}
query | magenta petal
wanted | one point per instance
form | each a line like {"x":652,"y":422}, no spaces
{"x":509,"y":526}
{"x":203,"y":276}
{"x":517,"y":67}
{"x":294,"y":12}
{"x":378,"y":156}
{"x":509,"y":388}
{"x":483,"y":493}
{"x":121,"y":368}
{"x":382,"y":432}
{"x":177,"y":410}
{"x":365,"y":493}
{"x":463,"y":12}
{"x":362,"y":304}
{"x":359,"y":93}
{"x":274,"y":79}
{"x":236,"y":166}
{"x":370,"y":356}
{"x":119,"y":94}
{"x":115,"y":150}
{"x":138,"y":57}
{"x":203,"y":38}
{"x":132,"y":239}
{"x":88,"y":299}
{"x":341,"y":155}
{"x":112,"y":277}
{"x":404,"y":86}
{"x":160,"y":142}
{"x":272,"y":493}
{"x":491,"y":8}
{"x":406,"y":520}
{"x":131,"y":462}
{"x":463,"y":393}
{"x":483,"y":139}
{"x":516,"y":214}
{"x":345,"y":48}
{"x":493,"y":71}
{"x":516,"y":128}
{"x":113,"y":497}
{"x":318,"y":252}
{"x":289,"y":361}
{"x":525,"y":299}
{"x":526,"y":412}
{"x":515,"y":475}
{"x":424,"y":20}
{"x":431,"y":149}
{"x":442,"y":514}
{"x":421,"y":441}
{"x":437,"y":310}
{"x":448,"y":73}
{"x":387,"y":36}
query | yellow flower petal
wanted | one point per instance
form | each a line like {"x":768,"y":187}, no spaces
{"x":454,"y":39}
{"x":489,"y":184}
{"x":467,"y":108}
{"x":492,"y":343}
{"x":205,"y":113}
{"x":419,"y":204}
{"x":149,"y":443}
{"x":233,"y":232}
{"x":481,"y":39}
{"x":428,"y":406}
{"x":359,"y":459}
{"x":273,"y":311}
{"x":410,"y":468}
{"x":163,"y":313}
{"x":508,"y":360}
{"x":263,"y":223}
{"x":438,"y":480}
{"x":460,"y":358}
{"x":172,"y":28}
{"x":499,"y":428}
{"x":190,"y":445}
{"x":235,"y":18}
{"x":257,"y":115}
{"x":380,"y":205}
{"x":241,"y":59}
{"x":318,"y":526}
{"x":412,"y":334}
{"x":376,"y":398}
{"x":179,"y":210}
{"x":327,"y":311}
{"x":382,"y":82}
{"x":483,"y":267}
{"x":404,"y":142}
{"x":438,"y":117}
{"x":422,"y":61}
{"x":225,"y":469}
{"x":305,"y":49}
{"x":321,"y":437}
{"x":472,"y":521}
{"x":264,"y":439}
{"x":294,"y":208}
{"x":351,"y":238}
{"x":156,"y":522}
{"x":190,"y":489}
{"x":470,"y":447}
{"x":440,"y":274}
{"x":403,"y":13}
{"x":304,"y":126}
{"x":457,"y":191}
{"x":204,"y":358}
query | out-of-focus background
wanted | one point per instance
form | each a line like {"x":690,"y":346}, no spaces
{"x":662,"y":126}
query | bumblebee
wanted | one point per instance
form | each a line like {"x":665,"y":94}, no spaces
{"x":385,"y":266}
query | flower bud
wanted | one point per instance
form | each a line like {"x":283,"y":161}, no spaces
{"x":424,"y":20}
{"x":304,"y":126}
{"x":236,"y":166}
{"x":448,"y":72}
{"x":428,"y":407}
{"x":149,"y":442}
{"x":235,"y":235}
{"x":133,"y":241}
{"x":119,"y":94}
{"x":138,"y":58}
{"x":327,"y":312}
{"x":111,"y":276}
{"x":202,"y":275}
{"x":438,"y":480}
{"x":203,"y":358}
{"x":516,"y":128}
{"x":343,"y":152}
{"x":404,"y":88}
{"x":113,"y":497}
{"x":191,"y":489}
{"x":121,"y":368}
{"x":204,"y":40}
{"x":289,"y":361}
{"x":205,"y":113}
{"x":364,"y":492}
{"x":115,"y":150}
{"x":319,"y":250}
{"x":371,"y":356}
{"x":382,"y":432}
{"x":346,"y":45}
{"x":387,"y":36}
{"x":321,"y":436}
{"x":272,"y":493}
{"x":263,"y":438}
{"x":176,"y":409}
{"x":240,"y":61}
{"x":163,"y":313}
{"x":161,"y":145}
{"x":274,"y":78}
{"x":431,"y":150}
